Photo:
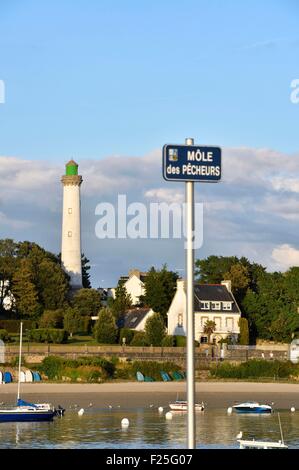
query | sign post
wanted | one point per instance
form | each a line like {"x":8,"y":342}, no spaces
{"x":191,"y":433}
{"x":191,"y":163}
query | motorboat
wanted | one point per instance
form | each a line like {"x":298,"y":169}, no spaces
{"x":181,"y":405}
{"x":252,"y":407}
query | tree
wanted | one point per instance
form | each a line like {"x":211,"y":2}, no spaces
{"x":74,"y":322}
{"x":122,"y":301}
{"x":160,"y":287}
{"x":155,"y":330}
{"x":244,"y":331}
{"x":24,"y":291}
{"x":209,"y":328}
{"x":85,"y":274}
{"x":105,"y":330}
{"x":51,"y":319}
{"x":52,"y":284}
{"x":212,"y":269}
{"x":87,"y":301}
{"x":239,"y":277}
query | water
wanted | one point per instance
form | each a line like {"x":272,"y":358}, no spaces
{"x":99,"y":428}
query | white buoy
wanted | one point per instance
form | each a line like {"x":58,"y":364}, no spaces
{"x":168,"y":415}
{"x":293,"y":409}
{"x":229,"y":410}
{"x":81,"y":412}
{"x":125,"y":423}
{"x":90,"y":405}
{"x":160,"y":409}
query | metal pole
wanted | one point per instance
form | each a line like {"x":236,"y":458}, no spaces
{"x":191,"y":429}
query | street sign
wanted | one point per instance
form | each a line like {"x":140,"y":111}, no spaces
{"x":191,"y":163}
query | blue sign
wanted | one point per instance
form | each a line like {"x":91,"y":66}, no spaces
{"x":191,"y":163}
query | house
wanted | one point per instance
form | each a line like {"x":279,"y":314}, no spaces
{"x":135,"y":318}
{"x":214,"y":302}
{"x":134,"y":284}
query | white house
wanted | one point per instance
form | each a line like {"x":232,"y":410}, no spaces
{"x":211,"y":302}
{"x":8,"y":300}
{"x":134,"y":284}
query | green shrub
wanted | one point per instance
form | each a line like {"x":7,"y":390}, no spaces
{"x":139,"y":339}
{"x":254,"y":369}
{"x":88,"y":369}
{"x":168,"y":341}
{"x":48,"y":335}
{"x":126,"y":333}
{"x":124,"y":372}
{"x":4,"y":336}
{"x":51,"y":319}
{"x":52,"y":367}
{"x":180,"y":341}
{"x":155,"y":330}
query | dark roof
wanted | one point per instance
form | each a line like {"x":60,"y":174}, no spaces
{"x":132,"y":318}
{"x":213,"y":293}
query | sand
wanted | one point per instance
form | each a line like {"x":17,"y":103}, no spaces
{"x":135,"y":394}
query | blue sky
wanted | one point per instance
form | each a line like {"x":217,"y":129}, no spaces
{"x":98,"y":79}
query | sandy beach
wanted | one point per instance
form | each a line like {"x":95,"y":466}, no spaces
{"x":135,"y":394}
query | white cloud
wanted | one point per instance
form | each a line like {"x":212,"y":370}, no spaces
{"x":165,"y":195}
{"x":285,"y":256}
{"x":254,"y":209}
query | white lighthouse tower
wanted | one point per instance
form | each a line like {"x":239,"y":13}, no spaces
{"x":71,"y":225}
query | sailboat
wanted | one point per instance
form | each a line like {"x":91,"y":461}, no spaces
{"x":24,"y":411}
{"x":253,"y":444}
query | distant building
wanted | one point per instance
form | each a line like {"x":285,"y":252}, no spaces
{"x":134,"y":284}
{"x":9,"y":300}
{"x":213,"y":302}
{"x":135,"y":318}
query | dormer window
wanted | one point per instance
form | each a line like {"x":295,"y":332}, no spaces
{"x":216,"y":305}
{"x":226,"y":305}
{"x":205,"y":305}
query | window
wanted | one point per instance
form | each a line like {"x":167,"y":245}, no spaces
{"x":226,"y":305}
{"x":205,"y":305}
{"x":229,"y":323}
{"x":70,"y":210}
{"x":69,"y":234}
{"x":217,"y":321}
{"x":203,"y":339}
{"x":180,"y":320}
{"x":203,"y":320}
{"x":216,"y":305}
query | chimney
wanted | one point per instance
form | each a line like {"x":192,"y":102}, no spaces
{"x":227,"y":284}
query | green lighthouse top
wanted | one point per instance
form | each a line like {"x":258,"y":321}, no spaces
{"x":71,"y":168}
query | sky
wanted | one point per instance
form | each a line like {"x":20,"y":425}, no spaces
{"x":108,"y":83}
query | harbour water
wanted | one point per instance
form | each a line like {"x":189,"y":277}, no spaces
{"x":101,"y":428}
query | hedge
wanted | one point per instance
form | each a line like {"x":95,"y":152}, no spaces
{"x":13,"y":326}
{"x":254,"y":368}
{"x":48,"y":335}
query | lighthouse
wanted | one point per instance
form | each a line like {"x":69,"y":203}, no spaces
{"x":71,"y":225}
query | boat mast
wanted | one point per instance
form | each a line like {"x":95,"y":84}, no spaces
{"x":20,"y":353}
{"x":280,"y":428}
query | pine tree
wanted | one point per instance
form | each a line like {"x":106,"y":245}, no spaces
{"x":105,"y":330}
